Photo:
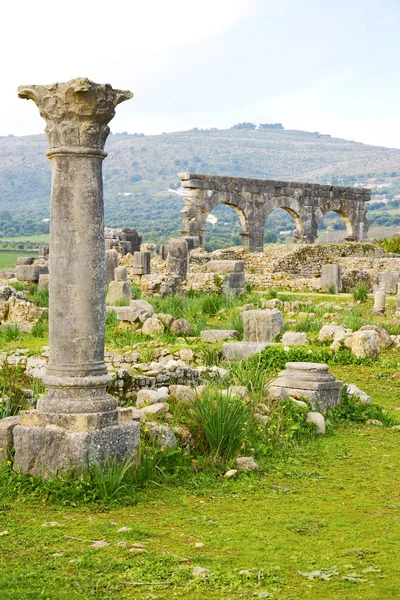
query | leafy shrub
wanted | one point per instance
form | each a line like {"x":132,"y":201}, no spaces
{"x":272,"y":294}
{"x":274,"y":358}
{"x":40,"y":296}
{"x":40,"y":329}
{"x":390,"y":244}
{"x":251,"y":375}
{"x":11,"y":333}
{"x":222,"y":423}
{"x":13,"y":382}
{"x":351,"y":409}
{"x":136,"y":290}
{"x":287,"y":427}
{"x":360,"y":293}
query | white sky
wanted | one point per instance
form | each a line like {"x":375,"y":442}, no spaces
{"x":318,"y":65}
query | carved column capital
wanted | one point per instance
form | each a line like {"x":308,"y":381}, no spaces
{"x":77,"y":112}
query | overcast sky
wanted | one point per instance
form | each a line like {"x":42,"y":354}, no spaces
{"x":317,"y":65}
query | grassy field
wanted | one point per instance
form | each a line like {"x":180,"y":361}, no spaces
{"x":321,"y":520}
{"x":322,"y":523}
{"x":40,"y":239}
{"x":9,"y":259}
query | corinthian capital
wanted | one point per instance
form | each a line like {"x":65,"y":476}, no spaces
{"x":77,"y":112}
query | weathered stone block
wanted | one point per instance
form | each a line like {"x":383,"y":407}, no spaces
{"x":30,"y":272}
{"x":118,"y":290}
{"x":222,"y":267}
{"x":7,"y":426}
{"x":292,"y":338}
{"x":141,"y":263}
{"x":234,"y":284}
{"x":25,"y":260}
{"x":178,"y":257}
{"x":331,"y":277}
{"x":121,"y":274}
{"x":43,"y":281}
{"x":111,"y":264}
{"x":216,"y":335}
{"x":262,"y":325}
{"x":389,"y":282}
{"x":49,"y":450}
{"x":241,"y":350}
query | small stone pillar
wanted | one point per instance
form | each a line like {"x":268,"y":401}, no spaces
{"x":307,"y":380}
{"x":141,"y":263}
{"x":77,"y":421}
{"x":379,"y":303}
{"x":192,"y":241}
{"x":111,"y":264}
{"x":261,"y":325}
{"x":389,"y":282}
{"x":120,"y":289}
{"x":331,"y":277}
{"x":132,"y":236}
{"x":164,"y":251}
{"x":44,"y":252}
{"x":178,"y":257}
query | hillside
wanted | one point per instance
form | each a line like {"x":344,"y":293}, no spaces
{"x":140,"y":170}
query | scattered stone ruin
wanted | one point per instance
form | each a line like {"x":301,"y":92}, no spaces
{"x":254,"y":200}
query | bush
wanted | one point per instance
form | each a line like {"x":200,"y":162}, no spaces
{"x":40,"y":296}
{"x":222,"y":423}
{"x":390,"y":244}
{"x":360,"y":293}
{"x":40,"y":329}
{"x":351,"y":409}
{"x":274,"y":359}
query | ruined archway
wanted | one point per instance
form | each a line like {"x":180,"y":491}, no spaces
{"x":223,"y":227}
{"x":334,"y":226}
{"x":255,"y":199}
{"x":280,"y":226}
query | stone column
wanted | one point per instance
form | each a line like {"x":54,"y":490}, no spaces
{"x":77,"y":114}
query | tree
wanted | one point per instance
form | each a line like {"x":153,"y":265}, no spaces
{"x":244,"y":125}
{"x":271,"y":126}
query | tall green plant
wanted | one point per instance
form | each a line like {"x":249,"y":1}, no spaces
{"x":222,"y":421}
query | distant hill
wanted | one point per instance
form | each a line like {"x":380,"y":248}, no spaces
{"x":140,"y":171}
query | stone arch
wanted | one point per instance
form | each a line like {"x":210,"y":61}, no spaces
{"x":291,"y":206}
{"x":197,"y":214}
{"x":351,"y":233}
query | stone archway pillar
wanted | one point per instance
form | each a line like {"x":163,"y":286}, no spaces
{"x":77,"y":421}
{"x":256,"y":237}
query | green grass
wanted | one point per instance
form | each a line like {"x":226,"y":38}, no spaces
{"x":327,"y":504}
{"x":8,"y":260}
{"x":332,"y":506}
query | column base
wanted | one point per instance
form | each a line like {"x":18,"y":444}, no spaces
{"x":48,"y":444}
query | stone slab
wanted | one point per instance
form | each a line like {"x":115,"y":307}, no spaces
{"x":222,"y":267}
{"x":241,"y":350}
{"x":49,"y":450}
{"x":7,"y":426}
{"x":212,"y":336}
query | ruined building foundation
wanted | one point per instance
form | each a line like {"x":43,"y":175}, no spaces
{"x":77,"y":422}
